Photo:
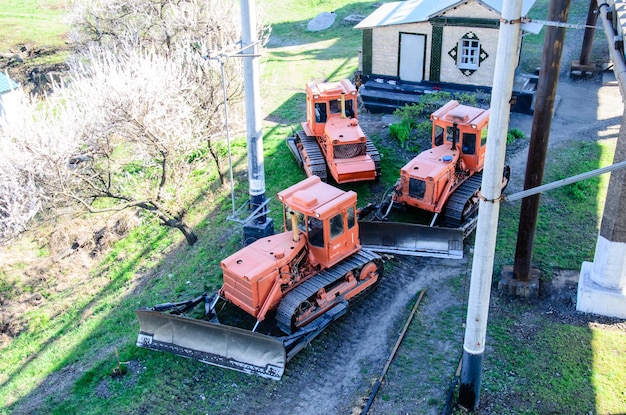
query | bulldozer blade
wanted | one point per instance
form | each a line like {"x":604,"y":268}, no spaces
{"x":291,"y":143}
{"x":412,"y":239}
{"x":216,"y":344}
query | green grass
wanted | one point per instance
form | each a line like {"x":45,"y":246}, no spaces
{"x":36,"y":23}
{"x":561,"y":368}
{"x":533,"y":44}
{"x":569,"y":213}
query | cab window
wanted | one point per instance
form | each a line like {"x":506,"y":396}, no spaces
{"x":450,"y":134}
{"x":349,"y":108}
{"x":336,"y":226}
{"x":287,"y":212}
{"x":438,"y":135}
{"x":351,"y":218}
{"x":320,"y":112}
{"x":469,"y":143}
{"x":316,"y":232}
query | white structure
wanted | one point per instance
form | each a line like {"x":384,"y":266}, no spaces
{"x":10,"y":95}
{"x":602,"y":283}
{"x":446,"y":41}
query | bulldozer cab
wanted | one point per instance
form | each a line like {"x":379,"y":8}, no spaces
{"x":463,"y":128}
{"x":329,"y":100}
{"x":331,"y":119}
{"x":325,"y":216}
{"x":459,"y":135}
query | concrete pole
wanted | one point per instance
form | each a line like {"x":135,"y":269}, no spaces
{"x":602,"y":283}
{"x":538,"y":147}
{"x":484,"y":251}
{"x":260,"y":226}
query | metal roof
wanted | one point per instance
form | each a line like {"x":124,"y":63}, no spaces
{"x":6,"y":83}
{"x":413,"y":11}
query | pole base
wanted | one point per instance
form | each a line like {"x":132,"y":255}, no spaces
{"x":578,"y":71}
{"x":595,"y":299}
{"x":253,"y":231}
{"x":471,"y":379}
{"x":508,"y":284}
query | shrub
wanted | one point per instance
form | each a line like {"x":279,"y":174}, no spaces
{"x":513,"y":135}
{"x":401,"y":132}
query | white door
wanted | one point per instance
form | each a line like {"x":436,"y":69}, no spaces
{"x":412,"y":54}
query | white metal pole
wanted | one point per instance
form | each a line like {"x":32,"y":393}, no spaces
{"x":256,"y":173}
{"x":486,"y":231}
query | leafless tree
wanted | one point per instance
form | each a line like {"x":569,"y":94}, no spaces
{"x":207,"y":29}
{"x":121,"y":134}
{"x":20,"y":199}
{"x":141,"y":108}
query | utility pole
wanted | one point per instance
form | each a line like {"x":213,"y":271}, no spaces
{"x":524,"y":280}
{"x":584,"y":65}
{"x":602,"y":283}
{"x":259,"y":225}
{"x":487,"y":227}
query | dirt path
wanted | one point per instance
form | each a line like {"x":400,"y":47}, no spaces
{"x":335,"y":373}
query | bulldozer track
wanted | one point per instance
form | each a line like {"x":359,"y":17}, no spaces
{"x":372,"y":151}
{"x":456,"y":213}
{"x":312,"y":156}
{"x":309,"y":288}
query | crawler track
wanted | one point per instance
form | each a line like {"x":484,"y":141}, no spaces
{"x":373,"y":153}
{"x":307,"y":290}
{"x":460,"y":207}
{"x":312,"y":157}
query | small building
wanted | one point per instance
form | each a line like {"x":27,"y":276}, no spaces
{"x":414,"y":47}
{"x":9,"y":97}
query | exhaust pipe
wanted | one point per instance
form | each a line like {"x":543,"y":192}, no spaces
{"x":343,"y":105}
{"x":294,"y":226}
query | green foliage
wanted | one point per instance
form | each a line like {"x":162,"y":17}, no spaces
{"x":401,"y":132}
{"x":513,"y":134}
{"x":414,"y":129}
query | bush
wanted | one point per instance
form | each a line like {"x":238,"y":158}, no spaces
{"x":415,"y":119}
{"x":513,"y":135}
{"x":401,"y":132}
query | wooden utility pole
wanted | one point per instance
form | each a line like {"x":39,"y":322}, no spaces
{"x":525,"y":280}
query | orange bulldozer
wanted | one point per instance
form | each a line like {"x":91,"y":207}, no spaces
{"x":288,"y":287}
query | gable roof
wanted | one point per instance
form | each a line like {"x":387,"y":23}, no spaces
{"x":6,"y":83}
{"x":413,"y":11}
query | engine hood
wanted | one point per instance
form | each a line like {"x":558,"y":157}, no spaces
{"x":432,"y":163}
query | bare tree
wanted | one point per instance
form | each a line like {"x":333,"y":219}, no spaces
{"x":141,"y":109}
{"x":211,"y":28}
{"x":119,"y":135}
